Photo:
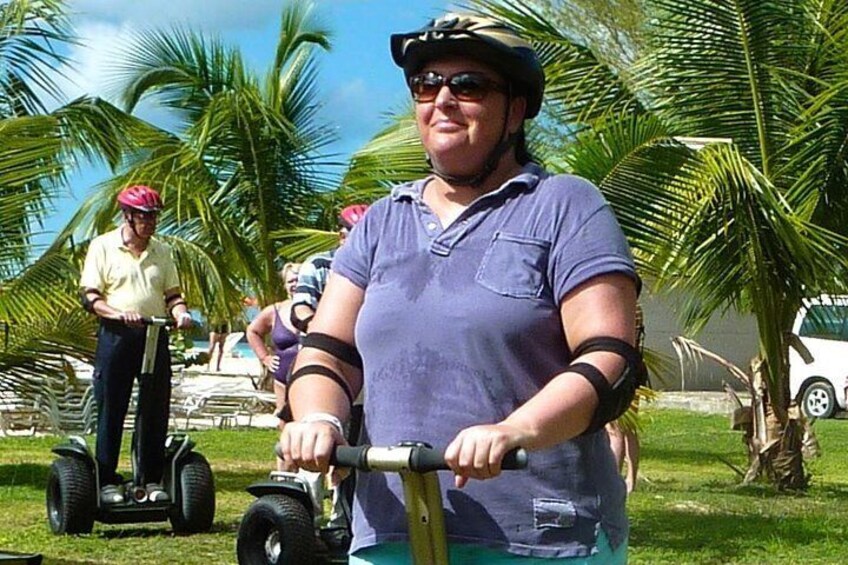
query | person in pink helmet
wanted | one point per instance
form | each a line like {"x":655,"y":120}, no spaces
{"x":128,"y":275}
{"x":316,"y":269}
{"x":311,"y":281}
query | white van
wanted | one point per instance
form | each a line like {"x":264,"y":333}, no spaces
{"x":819,"y":386}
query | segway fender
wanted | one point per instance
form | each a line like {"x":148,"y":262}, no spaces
{"x":286,"y":484}
{"x":74,"y":447}
{"x":177,"y":447}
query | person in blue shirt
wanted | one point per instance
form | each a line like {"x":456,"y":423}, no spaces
{"x":493,"y":306}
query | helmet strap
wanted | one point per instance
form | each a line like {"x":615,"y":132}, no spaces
{"x":477,"y":179}
{"x":130,"y":220}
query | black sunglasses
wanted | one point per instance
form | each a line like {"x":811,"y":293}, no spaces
{"x":465,"y":86}
{"x":148,"y":215}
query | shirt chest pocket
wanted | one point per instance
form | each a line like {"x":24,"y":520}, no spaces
{"x":514,"y":265}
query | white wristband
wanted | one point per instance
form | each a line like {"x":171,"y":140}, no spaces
{"x":324,"y":417}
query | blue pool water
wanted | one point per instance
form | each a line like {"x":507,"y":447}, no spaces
{"x":242,"y":349}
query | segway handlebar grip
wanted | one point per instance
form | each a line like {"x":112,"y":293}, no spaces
{"x":425,"y":459}
{"x":515,"y":459}
{"x":350,"y":456}
{"x":343,"y":456}
{"x":158,"y":321}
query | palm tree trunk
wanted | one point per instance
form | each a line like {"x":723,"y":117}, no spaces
{"x":775,"y":446}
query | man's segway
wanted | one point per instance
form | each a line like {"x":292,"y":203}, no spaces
{"x":277,"y":528}
{"x":73,"y":486}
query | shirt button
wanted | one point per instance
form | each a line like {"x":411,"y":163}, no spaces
{"x":431,"y":226}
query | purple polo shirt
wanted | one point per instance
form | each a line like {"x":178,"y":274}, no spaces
{"x":459,"y":327}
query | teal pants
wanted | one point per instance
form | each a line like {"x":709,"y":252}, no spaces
{"x":397,"y":553}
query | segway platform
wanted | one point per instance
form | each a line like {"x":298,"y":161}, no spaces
{"x":73,"y":501}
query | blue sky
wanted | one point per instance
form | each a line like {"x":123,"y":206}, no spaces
{"x":358,"y":82}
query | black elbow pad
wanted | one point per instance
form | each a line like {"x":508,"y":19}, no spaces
{"x":88,"y":305}
{"x":613,"y":399}
{"x":335,"y":347}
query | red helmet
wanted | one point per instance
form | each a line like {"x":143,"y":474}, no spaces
{"x":140,"y":197}
{"x":350,"y":215}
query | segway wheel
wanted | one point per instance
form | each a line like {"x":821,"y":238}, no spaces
{"x":71,"y":503}
{"x":276,"y":529}
{"x":194,"y":509}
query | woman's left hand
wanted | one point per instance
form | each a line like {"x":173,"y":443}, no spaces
{"x":477,"y":452}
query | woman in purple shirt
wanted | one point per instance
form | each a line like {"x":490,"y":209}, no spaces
{"x":273,"y":322}
{"x":473,"y":296}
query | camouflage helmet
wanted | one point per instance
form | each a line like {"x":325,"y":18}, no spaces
{"x":482,"y":39}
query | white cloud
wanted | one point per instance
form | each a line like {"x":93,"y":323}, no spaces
{"x":105,"y":26}
{"x":91,"y":71}
{"x":93,"y":57}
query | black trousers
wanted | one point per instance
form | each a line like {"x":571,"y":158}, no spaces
{"x":117,"y":364}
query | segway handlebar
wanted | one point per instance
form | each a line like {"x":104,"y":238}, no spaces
{"x":411,"y":456}
{"x":146,"y":321}
{"x":158,"y":321}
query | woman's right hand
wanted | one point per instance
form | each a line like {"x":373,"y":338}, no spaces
{"x":271,"y":362}
{"x":309,"y":445}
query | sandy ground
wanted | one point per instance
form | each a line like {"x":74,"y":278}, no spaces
{"x":230,"y":366}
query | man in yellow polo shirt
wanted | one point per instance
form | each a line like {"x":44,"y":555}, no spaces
{"x":129,"y":275}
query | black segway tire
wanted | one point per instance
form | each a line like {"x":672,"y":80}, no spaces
{"x":194,"y":508}
{"x":71,"y":503}
{"x":276,"y":530}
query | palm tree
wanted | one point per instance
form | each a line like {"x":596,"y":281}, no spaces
{"x":40,"y":319}
{"x":394,"y":155}
{"x":242,"y":164}
{"x":721,"y":150}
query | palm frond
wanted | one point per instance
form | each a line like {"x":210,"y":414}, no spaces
{"x":41,"y":289}
{"x":580,"y":88}
{"x":30,"y":31}
{"x":184,"y":69}
{"x":37,"y":352}
{"x":716,"y":70}
{"x":203,"y":280}
{"x":298,"y":244}
{"x":296,"y":32}
{"x":30,"y":165}
{"x":634,"y":161}
{"x":393,"y":156}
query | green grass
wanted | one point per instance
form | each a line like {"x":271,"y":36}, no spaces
{"x":238,"y":458}
{"x":688,"y":507}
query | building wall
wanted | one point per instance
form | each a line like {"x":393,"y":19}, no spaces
{"x":732,"y":336}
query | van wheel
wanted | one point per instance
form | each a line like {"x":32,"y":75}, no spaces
{"x":819,"y":400}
